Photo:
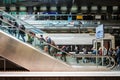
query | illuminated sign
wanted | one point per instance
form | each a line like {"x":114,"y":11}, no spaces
{"x":99,"y":32}
{"x":79,"y":17}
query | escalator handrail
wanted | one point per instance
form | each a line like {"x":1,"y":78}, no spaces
{"x":99,"y":56}
{"x":20,"y":20}
{"x":27,"y":32}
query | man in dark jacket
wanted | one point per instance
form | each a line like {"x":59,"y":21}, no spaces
{"x":1,"y":17}
{"x":22,"y":32}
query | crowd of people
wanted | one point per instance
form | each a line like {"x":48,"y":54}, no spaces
{"x":13,"y":28}
{"x":114,"y":53}
{"x":49,"y":45}
{"x":19,"y":30}
{"x":52,"y":48}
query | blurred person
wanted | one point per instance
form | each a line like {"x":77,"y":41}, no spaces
{"x":77,"y":52}
{"x":15,"y":28}
{"x":30,"y":37}
{"x":63,"y":55}
{"x":118,"y":55}
{"x":110,"y":52}
{"x":42,"y":40}
{"x":21,"y":32}
{"x":1,"y":17}
{"x":48,"y":40}
{"x":53,"y":49}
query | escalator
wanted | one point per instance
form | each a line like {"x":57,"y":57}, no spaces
{"x":28,"y":56}
{"x":24,"y":54}
{"x":33,"y":57}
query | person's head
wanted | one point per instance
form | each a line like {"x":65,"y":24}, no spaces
{"x":117,"y":47}
{"x":41,"y":35}
{"x":22,"y":25}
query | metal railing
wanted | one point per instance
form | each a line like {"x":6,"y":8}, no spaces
{"x":57,"y":52}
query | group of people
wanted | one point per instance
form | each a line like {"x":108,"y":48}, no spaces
{"x":52,"y":48}
{"x":19,"y":30}
{"x":48,"y":45}
{"x":114,"y":53}
{"x":13,"y":27}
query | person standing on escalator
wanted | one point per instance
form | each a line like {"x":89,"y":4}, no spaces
{"x":48,"y":40}
{"x":1,"y":17}
{"x":21,"y":32}
{"x":42,"y":41}
{"x":15,"y":28}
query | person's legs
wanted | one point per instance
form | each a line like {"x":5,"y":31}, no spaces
{"x":49,"y":49}
{"x":22,"y":35}
{"x":61,"y":56}
{"x":18,"y":35}
{"x":64,"y":56}
{"x":9,"y":30}
{"x":118,"y":61}
{"x":77,"y":60}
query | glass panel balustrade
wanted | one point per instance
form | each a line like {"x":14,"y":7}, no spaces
{"x":29,"y":36}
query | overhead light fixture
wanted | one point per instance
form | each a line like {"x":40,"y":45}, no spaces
{"x":53,"y":8}
{"x":115,"y":8}
{"x":63,"y":8}
{"x":43,"y":8}
{"x":94,"y":8}
{"x":104,"y":8}
{"x":13,"y":8}
{"x":84,"y":8}
{"x":74,"y":8}
{"x":22,"y":8}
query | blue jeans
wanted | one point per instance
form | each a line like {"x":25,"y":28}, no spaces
{"x":118,"y":61}
{"x":22,"y":36}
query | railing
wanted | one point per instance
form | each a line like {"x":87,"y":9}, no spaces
{"x":107,"y":61}
{"x":11,"y":18}
{"x":53,"y":50}
{"x":56,"y":23}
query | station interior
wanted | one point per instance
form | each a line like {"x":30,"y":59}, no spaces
{"x":59,"y":36}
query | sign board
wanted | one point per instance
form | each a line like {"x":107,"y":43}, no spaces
{"x":99,"y":32}
{"x":79,"y":17}
{"x":69,"y":18}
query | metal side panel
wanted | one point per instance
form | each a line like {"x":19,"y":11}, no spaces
{"x":29,"y":57}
